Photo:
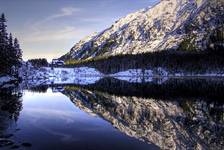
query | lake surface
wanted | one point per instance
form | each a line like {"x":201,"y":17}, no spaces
{"x":114,"y":114}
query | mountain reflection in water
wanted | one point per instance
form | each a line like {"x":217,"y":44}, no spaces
{"x":177,"y":114}
{"x":161,"y":114}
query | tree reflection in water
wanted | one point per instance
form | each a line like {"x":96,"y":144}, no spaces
{"x":10,"y":107}
{"x":176,"y":114}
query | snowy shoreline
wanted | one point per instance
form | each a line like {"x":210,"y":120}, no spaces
{"x":158,"y":75}
{"x":85,"y":75}
{"x":172,"y":76}
{"x":82,"y":72}
{"x":160,"y":72}
{"x":7,"y":81}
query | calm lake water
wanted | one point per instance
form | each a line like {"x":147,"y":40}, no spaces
{"x":114,"y":114}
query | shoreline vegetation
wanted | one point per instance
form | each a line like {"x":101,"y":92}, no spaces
{"x":206,"y":62}
{"x":10,"y":57}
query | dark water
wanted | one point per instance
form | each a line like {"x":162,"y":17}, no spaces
{"x":114,"y":114}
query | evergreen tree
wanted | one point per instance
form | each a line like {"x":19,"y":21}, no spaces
{"x":10,"y":40}
{"x":10,"y":52}
{"x":18,"y":52}
{"x":3,"y":44}
{"x":3,"y":31}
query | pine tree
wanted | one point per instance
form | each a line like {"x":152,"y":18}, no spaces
{"x":3,"y":31}
{"x":3,"y":44}
{"x":10,"y":52}
{"x":18,"y":52}
{"x":11,"y":55}
{"x":10,"y":40}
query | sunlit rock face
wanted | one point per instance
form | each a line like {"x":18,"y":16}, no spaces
{"x":163,"y":26}
{"x":177,"y":124}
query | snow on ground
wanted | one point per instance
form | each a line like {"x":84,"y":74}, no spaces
{"x":197,"y":75}
{"x":131,"y":75}
{"x":82,"y":71}
{"x":8,"y":86}
{"x":139,"y":75}
{"x":82,"y":75}
{"x":130,"y":79}
{"x":86,"y":75}
{"x":6,"y":79}
{"x":158,"y":75}
{"x":47,"y":72}
{"x":47,"y":75}
{"x":135,"y":79}
{"x":75,"y":80}
{"x":127,"y":73}
{"x":161,"y":72}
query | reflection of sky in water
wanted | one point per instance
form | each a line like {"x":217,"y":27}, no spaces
{"x":50,"y":120}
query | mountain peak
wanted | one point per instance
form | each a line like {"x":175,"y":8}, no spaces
{"x":163,"y":26}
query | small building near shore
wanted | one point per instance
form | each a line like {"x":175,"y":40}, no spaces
{"x":57,"y":62}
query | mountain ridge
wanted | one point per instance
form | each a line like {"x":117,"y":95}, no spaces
{"x":164,"y":26}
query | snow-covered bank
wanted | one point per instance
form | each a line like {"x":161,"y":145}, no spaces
{"x":142,"y":75}
{"x":47,"y":72}
{"x":160,"y":72}
{"x":6,"y":81}
{"x":47,"y":76}
{"x":71,"y":72}
{"x":82,"y":75}
{"x":86,"y":75}
{"x":197,"y":75}
{"x":159,"y":75}
{"x":74,"y":80}
{"x":134,"y":75}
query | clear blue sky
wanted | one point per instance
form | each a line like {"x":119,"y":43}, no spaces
{"x":49,"y":28}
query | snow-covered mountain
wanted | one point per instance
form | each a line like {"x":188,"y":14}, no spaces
{"x":163,"y":26}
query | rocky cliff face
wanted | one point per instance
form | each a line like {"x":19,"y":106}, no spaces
{"x":164,"y":26}
{"x":180,"y":124}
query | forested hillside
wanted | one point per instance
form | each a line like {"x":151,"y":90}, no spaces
{"x":174,"y":62}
